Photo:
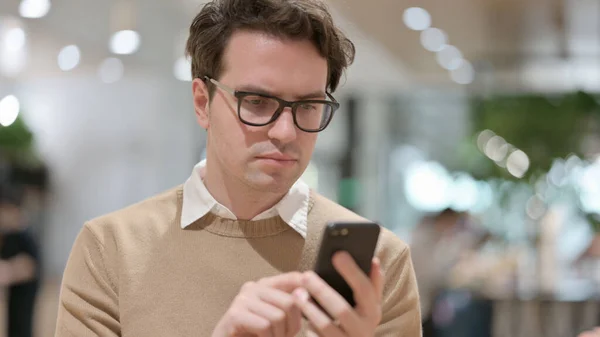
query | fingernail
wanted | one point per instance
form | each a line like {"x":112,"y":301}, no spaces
{"x":301,"y":294}
{"x":344,"y":256}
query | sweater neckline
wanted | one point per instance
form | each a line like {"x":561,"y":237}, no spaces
{"x":241,"y":228}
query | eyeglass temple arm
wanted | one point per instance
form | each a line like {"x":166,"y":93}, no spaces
{"x":331,"y":97}
{"x":222,"y":86}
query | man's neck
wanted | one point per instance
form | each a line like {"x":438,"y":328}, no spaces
{"x":245,"y":202}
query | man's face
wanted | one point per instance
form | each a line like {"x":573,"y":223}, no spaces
{"x":272,"y":157}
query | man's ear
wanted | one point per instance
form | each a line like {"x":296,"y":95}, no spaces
{"x":201,"y":102}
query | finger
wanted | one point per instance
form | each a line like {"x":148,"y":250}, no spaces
{"x":362,"y":287}
{"x":254,"y":324}
{"x":377,"y":278}
{"x":332,"y":302}
{"x":286,"y":282}
{"x":285,"y":302}
{"x":274,"y":316}
{"x":312,"y":331}
{"x":321,"y":323}
{"x":294,"y":321}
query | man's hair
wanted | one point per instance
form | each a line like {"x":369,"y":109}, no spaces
{"x":287,"y":19}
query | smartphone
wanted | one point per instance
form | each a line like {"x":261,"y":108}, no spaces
{"x":359,"y":239}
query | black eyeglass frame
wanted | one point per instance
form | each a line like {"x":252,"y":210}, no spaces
{"x":282,"y":105}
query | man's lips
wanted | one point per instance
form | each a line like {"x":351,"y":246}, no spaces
{"x":277,"y":157}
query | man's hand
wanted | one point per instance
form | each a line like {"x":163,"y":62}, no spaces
{"x":265,"y":309}
{"x":347,"y":321}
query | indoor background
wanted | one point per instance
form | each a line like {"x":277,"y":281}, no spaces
{"x":471,"y":128}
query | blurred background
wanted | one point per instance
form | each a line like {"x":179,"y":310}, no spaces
{"x":470,"y":128}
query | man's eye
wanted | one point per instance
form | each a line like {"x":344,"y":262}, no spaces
{"x":255,"y":101}
{"x":307,"y":107}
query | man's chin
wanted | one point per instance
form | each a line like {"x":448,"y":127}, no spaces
{"x":271,"y":182}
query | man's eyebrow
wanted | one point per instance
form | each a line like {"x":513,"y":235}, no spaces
{"x":313,"y":95}
{"x":320,"y":94}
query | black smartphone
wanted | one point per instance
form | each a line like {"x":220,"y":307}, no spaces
{"x":359,"y":239}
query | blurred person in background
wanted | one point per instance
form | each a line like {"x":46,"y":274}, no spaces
{"x":228,"y":252}
{"x":19,"y":263}
{"x":438,"y":244}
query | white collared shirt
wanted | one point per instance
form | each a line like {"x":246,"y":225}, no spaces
{"x":197,"y":202}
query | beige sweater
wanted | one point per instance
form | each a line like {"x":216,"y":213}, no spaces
{"x":135,"y":272}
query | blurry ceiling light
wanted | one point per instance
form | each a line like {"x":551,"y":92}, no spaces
{"x":464,"y":74}
{"x":433,"y":39}
{"x":501,"y":153}
{"x":428,"y":186}
{"x":485,"y":197}
{"x":483,"y":138}
{"x":125,"y":42}
{"x":33,"y":9}
{"x":590,"y":177}
{"x":69,"y":57}
{"x":9,"y":110}
{"x":558,"y":173}
{"x":573,"y":168}
{"x":572,"y":162}
{"x":13,"y":47}
{"x":535,"y":207}
{"x":464,"y":193}
{"x":496,"y":148}
{"x":590,"y":189}
{"x":14,"y":39}
{"x":111,"y":70}
{"x":517,"y":163}
{"x":417,"y":18}
{"x":449,"y":57}
{"x":183,"y":69}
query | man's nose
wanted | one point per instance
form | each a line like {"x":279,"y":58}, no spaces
{"x":284,"y":129}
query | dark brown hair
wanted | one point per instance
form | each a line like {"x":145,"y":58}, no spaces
{"x":289,"y":19}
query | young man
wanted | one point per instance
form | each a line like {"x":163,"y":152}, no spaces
{"x":229,"y":253}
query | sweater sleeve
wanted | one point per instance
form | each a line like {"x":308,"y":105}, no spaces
{"x":400,"y":307}
{"x":88,"y":303}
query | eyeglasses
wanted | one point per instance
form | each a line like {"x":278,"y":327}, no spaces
{"x":258,"y":109}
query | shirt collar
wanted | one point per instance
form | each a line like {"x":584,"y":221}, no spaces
{"x":197,"y":202}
